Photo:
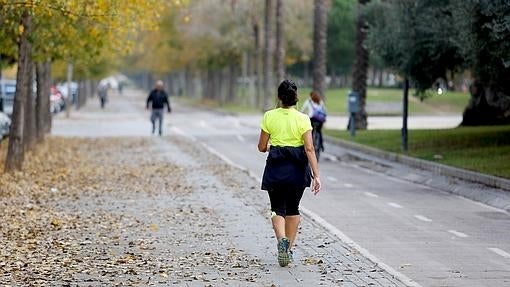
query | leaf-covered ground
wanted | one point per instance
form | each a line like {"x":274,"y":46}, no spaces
{"x":89,"y":212}
{"x":153,"y":212}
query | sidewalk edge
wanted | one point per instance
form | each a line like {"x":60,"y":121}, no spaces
{"x":435,"y":168}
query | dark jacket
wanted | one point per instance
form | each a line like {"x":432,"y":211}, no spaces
{"x":158,"y":98}
{"x":286,"y":167}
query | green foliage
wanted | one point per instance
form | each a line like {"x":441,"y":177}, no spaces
{"x":415,"y":39}
{"x":424,"y":39}
{"x":341,"y":35}
{"x":483,"y":37}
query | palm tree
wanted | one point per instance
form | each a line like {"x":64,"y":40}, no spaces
{"x":280,"y":49}
{"x":268,"y":55}
{"x":360,"y":68}
{"x":319,"y":47}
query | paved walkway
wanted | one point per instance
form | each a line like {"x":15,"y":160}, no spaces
{"x":137,"y":209}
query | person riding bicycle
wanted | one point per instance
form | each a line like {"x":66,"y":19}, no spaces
{"x":314,"y":107}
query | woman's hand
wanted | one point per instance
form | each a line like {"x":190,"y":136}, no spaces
{"x":316,"y":185}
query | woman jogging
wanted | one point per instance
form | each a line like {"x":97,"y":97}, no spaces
{"x":314,"y":107}
{"x":287,"y":172}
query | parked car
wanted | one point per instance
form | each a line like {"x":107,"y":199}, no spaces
{"x":57,"y":102}
{"x":5,"y":124}
{"x":7,"y":91}
{"x":62,"y":87}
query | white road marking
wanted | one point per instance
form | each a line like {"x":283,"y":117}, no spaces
{"x":241,"y":138}
{"x":393,"y":204}
{"x":181,"y":133}
{"x":499,"y":252}
{"x":458,"y":234}
{"x":330,"y":178}
{"x":203,"y":124}
{"x":348,"y":185}
{"x":423,"y":218}
{"x":236,"y":121}
{"x":370,"y":194}
{"x":330,"y":157}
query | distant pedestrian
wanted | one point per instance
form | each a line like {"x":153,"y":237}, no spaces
{"x":103,"y":95}
{"x":120,"y":87}
{"x":287,"y":172}
{"x":158,"y":97}
{"x":315,"y":108}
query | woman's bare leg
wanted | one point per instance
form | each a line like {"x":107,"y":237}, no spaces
{"x":279,"y":226}
{"x":291,"y":228}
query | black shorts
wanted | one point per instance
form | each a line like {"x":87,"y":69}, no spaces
{"x":285,"y":201}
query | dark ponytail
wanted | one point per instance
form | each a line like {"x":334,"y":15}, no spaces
{"x":287,"y":93}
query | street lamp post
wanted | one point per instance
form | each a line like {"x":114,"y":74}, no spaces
{"x":405,"y":108}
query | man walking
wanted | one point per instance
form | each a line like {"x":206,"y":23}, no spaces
{"x":159,"y":98}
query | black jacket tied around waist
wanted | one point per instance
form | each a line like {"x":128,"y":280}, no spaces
{"x":286,"y":167}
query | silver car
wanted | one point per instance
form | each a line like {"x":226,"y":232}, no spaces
{"x":5,"y":123}
{"x":7,"y":91}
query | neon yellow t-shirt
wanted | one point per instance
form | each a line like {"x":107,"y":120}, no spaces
{"x":286,"y":127}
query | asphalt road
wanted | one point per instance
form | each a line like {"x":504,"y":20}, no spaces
{"x":432,"y":237}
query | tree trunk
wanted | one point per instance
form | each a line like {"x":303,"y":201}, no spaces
{"x":15,"y":151}
{"x":487,"y":106}
{"x":360,"y":68}
{"x":43,"y":114}
{"x":80,"y":93}
{"x":209,"y":84}
{"x":48,"y":116}
{"x":258,"y":67}
{"x":68,"y":99}
{"x":268,"y":54}
{"x":252,"y":81}
{"x":232,"y":83}
{"x":381,"y":78}
{"x":220,"y":77}
{"x":187,"y":82}
{"x":319,"y":47}
{"x":280,"y":49}
{"x":373,"y":78}
{"x":1,"y":100}
{"x":29,"y":131}
{"x":306,"y":74}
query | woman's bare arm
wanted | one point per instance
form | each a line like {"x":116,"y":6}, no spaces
{"x":310,"y":154}
{"x":263,"y":141}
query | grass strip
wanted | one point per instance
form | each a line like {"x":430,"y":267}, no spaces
{"x":484,"y":149}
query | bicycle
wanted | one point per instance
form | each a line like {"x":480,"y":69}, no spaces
{"x":316,"y":136}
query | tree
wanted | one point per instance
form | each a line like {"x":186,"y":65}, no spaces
{"x":82,"y":31}
{"x":319,"y":47}
{"x":15,"y":150}
{"x":268,"y":53}
{"x":43,"y":75}
{"x":341,"y":36}
{"x":360,"y":72}
{"x":483,"y":37}
{"x":424,"y":40}
{"x":280,"y":49}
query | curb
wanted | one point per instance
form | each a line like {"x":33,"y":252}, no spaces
{"x":435,"y":168}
